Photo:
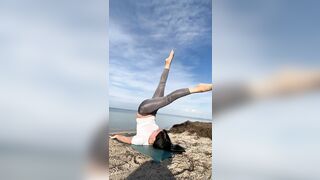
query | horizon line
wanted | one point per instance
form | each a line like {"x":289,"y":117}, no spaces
{"x":165,"y":114}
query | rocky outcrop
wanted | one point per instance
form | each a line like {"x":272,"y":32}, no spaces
{"x":201,"y":129}
{"x":195,"y":163}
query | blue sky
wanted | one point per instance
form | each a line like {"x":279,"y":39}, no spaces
{"x":141,"y":35}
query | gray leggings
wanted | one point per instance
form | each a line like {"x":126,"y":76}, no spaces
{"x":158,"y":100}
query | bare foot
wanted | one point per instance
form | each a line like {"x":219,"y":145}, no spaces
{"x":169,"y":59}
{"x":201,"y":88}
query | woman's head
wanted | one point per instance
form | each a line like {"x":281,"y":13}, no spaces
{"x":162,"y":140}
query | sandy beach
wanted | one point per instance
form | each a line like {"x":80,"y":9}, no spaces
{"x":195,"y":163}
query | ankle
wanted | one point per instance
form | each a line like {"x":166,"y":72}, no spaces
{"x":193,"y":90}
{"x":167,"y":65}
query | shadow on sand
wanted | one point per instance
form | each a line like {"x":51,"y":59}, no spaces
{"x":152,"y":170}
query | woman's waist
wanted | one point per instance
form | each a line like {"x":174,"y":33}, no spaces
{"x":145,"y":117}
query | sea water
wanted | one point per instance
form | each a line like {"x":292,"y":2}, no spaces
{"x":125,"y":120}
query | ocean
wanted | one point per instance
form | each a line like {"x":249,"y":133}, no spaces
{"x":125,"y":120}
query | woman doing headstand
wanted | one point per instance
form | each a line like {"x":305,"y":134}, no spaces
{"x":148,"y":132}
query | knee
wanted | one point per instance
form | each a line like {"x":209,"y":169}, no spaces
{"x":168,"y":99}
{"x":143,"y":109}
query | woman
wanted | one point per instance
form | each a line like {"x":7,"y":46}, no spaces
{"x":148,"y":132}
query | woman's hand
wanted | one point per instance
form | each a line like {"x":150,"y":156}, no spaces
{"x":121,"y":138}
{"x":114,"y":136}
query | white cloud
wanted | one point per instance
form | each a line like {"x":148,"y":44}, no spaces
{"x":137,"y":60}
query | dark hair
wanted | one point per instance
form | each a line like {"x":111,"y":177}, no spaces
{"x":163,"y":141}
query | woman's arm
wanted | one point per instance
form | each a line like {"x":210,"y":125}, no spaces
{"x":123,"y":139}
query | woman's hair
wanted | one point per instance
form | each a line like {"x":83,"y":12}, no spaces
{"x":163,"y":142}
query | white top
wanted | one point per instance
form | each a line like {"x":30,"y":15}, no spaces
{"x":145,"y":127}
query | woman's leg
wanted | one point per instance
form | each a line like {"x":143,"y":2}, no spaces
{"x":151,"y":106}
{"x":161,"y":86}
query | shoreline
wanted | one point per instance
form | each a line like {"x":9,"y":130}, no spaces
{"x":162,"y":114}
{"x":134,"y":131}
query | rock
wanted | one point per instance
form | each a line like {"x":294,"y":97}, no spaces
{"x":202,"y":129}
{"x":195,"y":163}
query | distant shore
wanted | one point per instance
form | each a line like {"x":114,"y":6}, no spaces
{"x":166,"y":114}
{"x":193,"y":123}
{"x":195,"y":163}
